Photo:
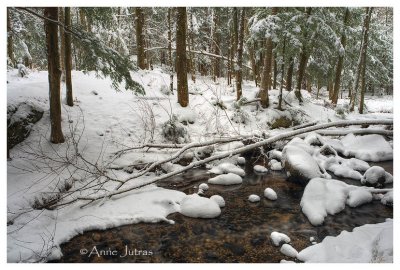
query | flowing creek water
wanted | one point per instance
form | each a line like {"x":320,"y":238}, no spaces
{"x":240,"y":234}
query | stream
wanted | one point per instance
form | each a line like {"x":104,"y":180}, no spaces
{"x":240,"y":234}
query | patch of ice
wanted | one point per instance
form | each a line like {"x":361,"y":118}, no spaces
{"x":226,"y":179}
{"x":270,"y":194}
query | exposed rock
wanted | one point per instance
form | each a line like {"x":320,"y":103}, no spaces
{"x":20,"y":120}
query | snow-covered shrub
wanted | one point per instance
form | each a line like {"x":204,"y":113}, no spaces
{"x":341,"y":111}
{"x":240,"y":117}
{"x":22,"y":70}
{"x":174,"y":131}
{"x":238,"y":104}
{"x":164,"y":89}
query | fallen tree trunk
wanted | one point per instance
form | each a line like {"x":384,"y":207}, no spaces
{"x":285,"y":135}
{"x":362,"y":131}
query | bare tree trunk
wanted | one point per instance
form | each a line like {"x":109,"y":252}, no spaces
{"x":53,"y":59}
{"x":289,"y":78}
{"x":282,"y":74}
{"x":216,"y":43}
{"x":240,"y":56}
{"x":171,"y":64}
{"x":68,"y":58}
{"x":140,"y":37}
{"x":62,"y":43}
{"x":181,"y":69}
{"x":192,"y":58}
{"x":363,"y":51}
{"x":275,"y":73}
{"x":10,"y":43}
{"x":303,"y":60}
{"x":266,"y":75}
{"x":339,"y":65}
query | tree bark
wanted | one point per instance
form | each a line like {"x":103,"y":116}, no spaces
{"x":339,"y":65}
{"x":266,"y":75}
{"x":364,"y":65}
{"x":289,"y":78}
{"x":303,"y":58}
{"x":240,"y":56}
{"x":68,"y":58}
{"x":140,"y":40}
{"x":192,"y":58}
{"x":62,"y":43}
{"x":216,"y":43}
{"x":10,"y":43}
{"x":363,"y":52}
{"x":171,"y":64}
{"x":53,"y":59}
{"x":181,"y":68}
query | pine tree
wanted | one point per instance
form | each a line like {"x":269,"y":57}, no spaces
{"x":10,"y":43}
{"x":54,"y":71}
{"x":181,"y":62}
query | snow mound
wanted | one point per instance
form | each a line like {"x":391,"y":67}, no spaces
{"x":254,"y":198}
{"x":365,"y":244}
{"x":368,"y":148}
{"x":203,"y":186}
{"x":227,"y":168}
{"x":199,"y":207}
{"x":219,"y":200}
{"x":279,"y":238}
{"x":270,"y":194}
{"x":226,"y":179}
{"x":289,"y":251}
{"x":241,"y":160}
{"x":275,"y":165}
{"x":260,"y":169}
{"x":376,"y":176}
{"x":339,"y":168}
{"x":322,"y":197}
{"x":358,"y":197}
{"x":186,"y":116}
{"x":387,"y":199}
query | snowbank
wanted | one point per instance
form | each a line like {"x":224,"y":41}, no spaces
{"x":369,"y":243}
{"x":199,"y":207}
{"x":226,"y":179}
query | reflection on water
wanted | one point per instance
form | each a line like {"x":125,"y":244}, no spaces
{"x":239,"y":234}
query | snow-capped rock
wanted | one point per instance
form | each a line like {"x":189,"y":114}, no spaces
{"x":260,"y":169}
{"x":219,"y":200}
{"x":203,"y":186}
{"x":275,"y":165}
{"x":374,"y":176}
{"x":289,"y":251}
{"x":241,"y":160}
{"x":270,"y":194}
{"x":279,"y":238}
{"x":227,"y":168}
{"x":254,"y":198}
{"x":199,"y":207}
{"x":226,"y":179}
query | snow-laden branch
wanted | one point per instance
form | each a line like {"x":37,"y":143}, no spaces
{"x":240,"y":150}
{"x":199,"y":52}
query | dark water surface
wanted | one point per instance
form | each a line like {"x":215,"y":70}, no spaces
{"x":240,"y":234}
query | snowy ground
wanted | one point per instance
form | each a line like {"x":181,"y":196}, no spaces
{"x":109,"y":121}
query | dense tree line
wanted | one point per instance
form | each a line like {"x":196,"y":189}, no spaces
{"x":347,"y":51}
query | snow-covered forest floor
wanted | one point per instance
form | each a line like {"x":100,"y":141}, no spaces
{"x":104,"y":122}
